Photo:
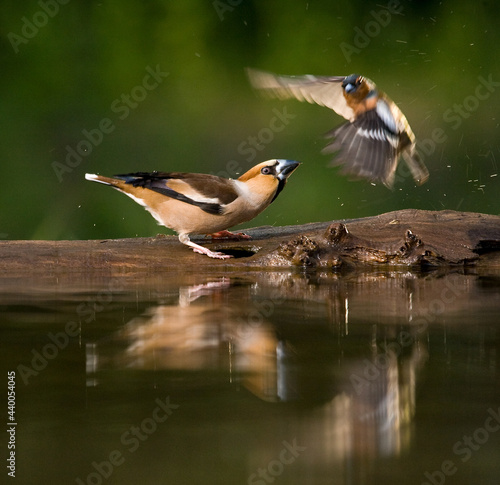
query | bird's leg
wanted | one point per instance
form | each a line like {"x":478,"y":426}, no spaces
{"x":229,"y":235}
{"x":184,"y":239}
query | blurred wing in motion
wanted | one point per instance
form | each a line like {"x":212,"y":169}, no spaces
{"x":321,"y":90}
{"x":366,"y":148}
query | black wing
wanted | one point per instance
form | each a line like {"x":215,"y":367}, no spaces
{"x":367,"y":148}
{"x":207,"y":186}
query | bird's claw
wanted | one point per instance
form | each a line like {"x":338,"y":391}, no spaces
{"x":229,"y":235}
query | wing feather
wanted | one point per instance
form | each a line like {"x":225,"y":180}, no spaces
{"x":321,"y":90}
{"x":365,"y":148}
{"x":208,"y":192}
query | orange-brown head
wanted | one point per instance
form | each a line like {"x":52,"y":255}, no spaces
{"x":266,"y":180}
{"x":360,"y":93}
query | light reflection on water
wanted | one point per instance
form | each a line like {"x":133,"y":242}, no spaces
{"x":299,"y":378}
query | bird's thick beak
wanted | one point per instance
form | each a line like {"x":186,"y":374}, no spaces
{"x":285,"y":168}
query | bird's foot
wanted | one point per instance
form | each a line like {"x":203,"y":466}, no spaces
{"x":211,"y":254}
{"x":184,"y":239}
{"x":229,"y":235}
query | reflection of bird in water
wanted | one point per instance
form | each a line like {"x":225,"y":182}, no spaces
{"x":206,"y":337}
{"x":204,"y":332}
{"x":186,"y":335}
{"x":377,"y":133}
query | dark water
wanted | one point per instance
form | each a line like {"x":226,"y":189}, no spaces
{"x":274,"y":377}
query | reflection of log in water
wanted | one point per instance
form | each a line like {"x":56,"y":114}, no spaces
{"x":406,"y":237}
{"x":348,"y":349}
{"x":367,"y":395}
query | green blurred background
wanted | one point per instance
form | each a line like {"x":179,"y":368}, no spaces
{"x":63,"y":77}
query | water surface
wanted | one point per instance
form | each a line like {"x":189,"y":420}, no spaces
{"x":260,"y":377}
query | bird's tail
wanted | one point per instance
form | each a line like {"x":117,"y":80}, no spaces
{"x":101,"y":179}
{"x":114,"y":182}
{"x":416,"y":165}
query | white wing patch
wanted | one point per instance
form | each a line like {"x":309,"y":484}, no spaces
{"x":186,"y":189}
{"x":380,"y":135}
{"x":373,"y":134}
{"x":386,"y":116}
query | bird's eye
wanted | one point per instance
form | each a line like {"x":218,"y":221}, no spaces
{"x":266,"y":171}
{"x":349,"y":87}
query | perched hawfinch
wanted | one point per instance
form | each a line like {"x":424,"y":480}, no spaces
{"x":204,"y":204}
{"x":377,"y":133}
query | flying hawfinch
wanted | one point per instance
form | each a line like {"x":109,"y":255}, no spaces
{"x":377,"y":133}
{"x":204,"y":204}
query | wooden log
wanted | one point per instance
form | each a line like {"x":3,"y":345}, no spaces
{"x":411,"y":238}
